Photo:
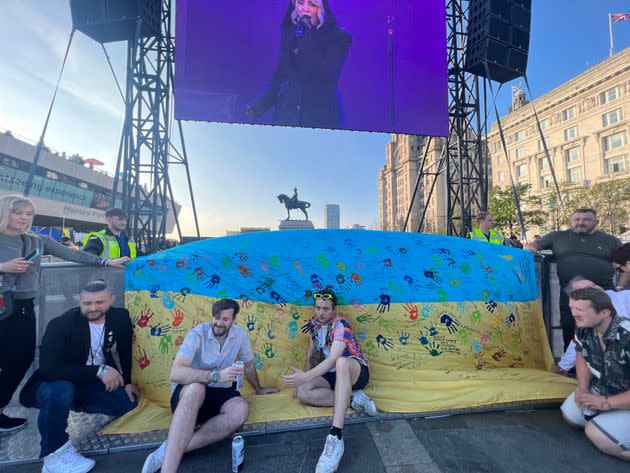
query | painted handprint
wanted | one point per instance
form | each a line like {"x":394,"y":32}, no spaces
{"x":183,"y":293}
{"x":422,"y":338}
{"x":159,"y":330}
{"x":295,"y":313}
{"x":475,"y":317}
{"x":277,"y":298}
{"x":341,"y":282}
{"x":298,"y":267}
{"x":434,"y":349}
{"x":168,"y":301}
{"x":322,"y":261}
{"x":411,"y":282}
{"x":270,"y":334}
{"x":384,"y":323}
{"x":510,"y":320}
{"x":450,"y":323}
{"x":384,"y":303}
{"x":259,"y":364}
{"x":306,"y":328}
{"x":384,"y":343}
{"x":432,"y":330}
{"x":388,"y":265}
{"x":412,"y":310}
{"x":242,"y":257}
{"x":213,"y":281}
{"x":143,"y":361}
{"x":465,"y":268}
{"x":316,"y":282}
{"x":491,"y":306}
{"x":451,"y":263}
{"x":432,"y":275}
{"x":362,"y":334}
{"x":403,"y":337}
{"x":244,"y":271}
{"x":200,"y":273}
{"x":427,"y":309}
{"x":356,"y":279}
{"x":441,"y":251}
{"x":462,"y":336}
{"x":269,"y":353}
{"x":182,"y":263}
{"x":402,"y":252}
{"x":250,"y":322}
{"x":145,"y":316}
{"x":154,"y":290}
{"x":366,"y":318}
{"x":178,"y":317}
{"x":496,"y":356}
{"x":245,"y":302}
{"x":166,"y":342}
{"x":292,"y":330}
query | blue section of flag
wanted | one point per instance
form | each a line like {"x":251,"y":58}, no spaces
{"x":287,"y":267}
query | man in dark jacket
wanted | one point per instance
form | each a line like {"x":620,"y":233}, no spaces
{"x":77,"y":371}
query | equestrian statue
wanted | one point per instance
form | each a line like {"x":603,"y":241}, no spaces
{"x":292,"y":203}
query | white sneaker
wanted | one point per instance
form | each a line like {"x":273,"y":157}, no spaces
{"x":331,"y":456}
{"x":362,"y":403}
{"x":66,"y":459}
{"x":154,"y":461}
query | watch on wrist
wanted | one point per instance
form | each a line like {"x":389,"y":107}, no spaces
{"x":215,"y":376}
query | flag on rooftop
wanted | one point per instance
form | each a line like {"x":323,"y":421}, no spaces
{"x":615,"y":17}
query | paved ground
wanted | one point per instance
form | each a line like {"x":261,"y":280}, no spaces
{"x":499,"y":442}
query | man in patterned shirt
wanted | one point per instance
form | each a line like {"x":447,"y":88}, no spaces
{"x":601,"y":403}
{"x":338,"y":380}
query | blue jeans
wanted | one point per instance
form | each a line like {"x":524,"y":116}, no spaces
{"x":55,"y":400}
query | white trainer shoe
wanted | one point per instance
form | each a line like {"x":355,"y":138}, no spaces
{"x":331,"y":456}
{"x":362,"y":403}
{"x":66,"y":459}
{"x":154,"y":461}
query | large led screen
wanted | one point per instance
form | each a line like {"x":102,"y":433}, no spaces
{"x":370,"y":65}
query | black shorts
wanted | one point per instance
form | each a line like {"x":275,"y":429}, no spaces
{"x":211,"y":406}
{"x":360,"y":383}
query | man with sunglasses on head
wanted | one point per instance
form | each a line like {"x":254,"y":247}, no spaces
{"x":337,"y":380}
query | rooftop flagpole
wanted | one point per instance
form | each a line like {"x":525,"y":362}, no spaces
{"x":612,"y":51}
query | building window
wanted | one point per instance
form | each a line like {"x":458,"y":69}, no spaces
{"x":519,"y":135}
{"x":615,"y":141}
{"x":500,"y":176}
{"x":610,"y":118}
{"x":574,"y":175}
{"x":570,"y":133}
{"x":543,"y":164}
{"x":617,"y":164}
{"x":519,"y":153}
{"x":546,"y":181}
{"x":521,"y":170}
{"x":540,"y":144}
{"x":544,"y":124}
{"x":569,"y":113}
{"x":609,"y":95}
{"x":572,"y":155}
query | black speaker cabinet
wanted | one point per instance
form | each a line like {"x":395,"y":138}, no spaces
{"x":107,"y":21}
{"x":498,"y":35}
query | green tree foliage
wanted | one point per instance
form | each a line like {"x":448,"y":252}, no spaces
{"x":503,"y":208}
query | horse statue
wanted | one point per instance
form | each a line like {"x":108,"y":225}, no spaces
{"x":292,"y":204}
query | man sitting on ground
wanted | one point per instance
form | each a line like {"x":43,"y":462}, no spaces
{"x":338,"y":380}
{"x":77,"y":371}
{"x":203,"y":373}
{"x":601,"y":403}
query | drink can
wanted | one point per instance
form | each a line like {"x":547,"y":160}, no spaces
{"x":239,"y":379}
{"x":238,"y":453}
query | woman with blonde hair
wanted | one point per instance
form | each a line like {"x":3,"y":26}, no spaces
{"x":20,"y":259}
{"x":304,"y":88}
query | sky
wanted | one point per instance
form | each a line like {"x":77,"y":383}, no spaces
{"x":238,"y":170}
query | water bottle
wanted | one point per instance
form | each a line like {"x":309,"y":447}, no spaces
{"x":238,"y":453}
{"x":238,"y":382}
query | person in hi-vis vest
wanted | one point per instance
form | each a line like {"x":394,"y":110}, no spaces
{"x":111,"y":242}
{"x":485,"y":232}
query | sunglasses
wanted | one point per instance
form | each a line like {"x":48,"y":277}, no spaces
{"x":319,"y":295}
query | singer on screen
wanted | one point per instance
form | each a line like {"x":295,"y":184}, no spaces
{"x":313,"y":49}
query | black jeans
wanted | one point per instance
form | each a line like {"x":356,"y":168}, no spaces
{"x":17,"y":348}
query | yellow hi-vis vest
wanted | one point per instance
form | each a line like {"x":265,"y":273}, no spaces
{"x":111,"y":248}
{"x":496,"y":236}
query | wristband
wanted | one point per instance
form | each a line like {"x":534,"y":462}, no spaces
{"x":101,"y":371}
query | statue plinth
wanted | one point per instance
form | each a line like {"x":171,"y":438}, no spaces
{"x":296,"y":225}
